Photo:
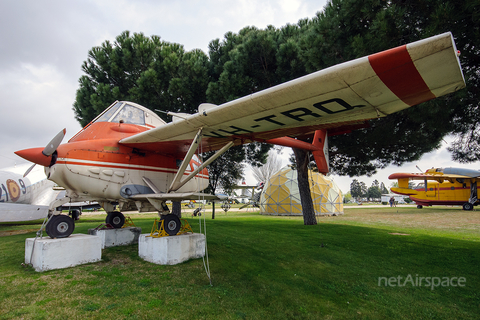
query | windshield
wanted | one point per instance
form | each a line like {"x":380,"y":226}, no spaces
{"x":125,"y":114}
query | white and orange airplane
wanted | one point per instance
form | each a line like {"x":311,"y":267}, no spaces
{"x":130,"y":157}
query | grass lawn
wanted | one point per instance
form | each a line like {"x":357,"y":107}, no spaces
{"x":266,"y":267}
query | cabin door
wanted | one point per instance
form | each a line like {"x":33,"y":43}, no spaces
{"x":431,"y":190}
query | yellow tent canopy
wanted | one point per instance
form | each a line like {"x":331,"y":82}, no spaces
{"x":280,"y":195}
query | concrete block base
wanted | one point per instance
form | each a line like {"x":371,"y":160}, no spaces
{"x":117,"y":237}
{"x":171,"y":250}
{"x":50,"y":254}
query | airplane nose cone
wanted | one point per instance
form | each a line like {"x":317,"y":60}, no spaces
{"x":35,"y":155}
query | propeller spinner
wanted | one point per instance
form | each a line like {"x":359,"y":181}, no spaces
{"x":42,"y":156}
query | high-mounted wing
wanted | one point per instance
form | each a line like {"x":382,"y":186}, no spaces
{"x":423,"y":176}
{"x":438,"y":174}
{"x":336,"y":97}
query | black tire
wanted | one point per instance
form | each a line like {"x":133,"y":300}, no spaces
{"x":60,"y":226}
{"x":115,"y":219}
{"x":171,"y":224}
{"x":75,"y":213}
{"x":419,"y":206}
{"x":467,"y":206}
{"x":196,"y":212}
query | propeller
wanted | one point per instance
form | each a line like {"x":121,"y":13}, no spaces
{"x":29,"y":169}
{"x":54,"y":143}
{"x":42,"y":156}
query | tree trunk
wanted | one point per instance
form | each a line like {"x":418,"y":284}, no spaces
{"x":213,"y":209}
{"x":301,"y":159}
{"x":177,"y":208}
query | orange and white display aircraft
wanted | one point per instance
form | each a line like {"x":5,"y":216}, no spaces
{"x":130,"y":157}
{"x":440,"y":186}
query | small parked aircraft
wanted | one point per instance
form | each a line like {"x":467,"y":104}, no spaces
{"x":28,"y":198}
{"x":440,"y":186}
{"x":25,"y":198}
{"x":248,"y":192}
{"x":129,"y":156}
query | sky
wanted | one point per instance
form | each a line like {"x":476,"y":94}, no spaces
{"x":44,"y":43}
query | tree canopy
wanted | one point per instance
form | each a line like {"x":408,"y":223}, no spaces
{"x":151,"y":72}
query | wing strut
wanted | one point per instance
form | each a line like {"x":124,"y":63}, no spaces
{"x":186,"y":161}
{"x":152,"y":186}
{"x":177,"y":182}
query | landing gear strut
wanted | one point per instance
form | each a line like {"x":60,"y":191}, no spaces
{"x":473,"y":197}
{"x":115,"y":219}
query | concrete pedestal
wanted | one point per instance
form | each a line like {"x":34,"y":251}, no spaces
{"x":171,"y":250}
{"x":49,"y":254}
{"x":117,"y":237}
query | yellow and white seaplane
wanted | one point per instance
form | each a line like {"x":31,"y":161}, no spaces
{"x":440,"y":186}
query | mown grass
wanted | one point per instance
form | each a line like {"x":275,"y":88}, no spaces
{"x":265,"y":268}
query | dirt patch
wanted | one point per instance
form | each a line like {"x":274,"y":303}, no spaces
{"x":399,"y":234}
{"x":14,"y":232}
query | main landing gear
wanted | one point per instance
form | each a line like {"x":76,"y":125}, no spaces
{"x":171,"y":224}
{"x":116,"y":219}
{"x":60,"y":226}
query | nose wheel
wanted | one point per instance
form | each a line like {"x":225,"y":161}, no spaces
{"x":60,"y":226}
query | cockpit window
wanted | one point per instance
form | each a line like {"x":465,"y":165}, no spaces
{"x":130,"y":114}
{"x":421,"y":185}
{"x":110,"y":112}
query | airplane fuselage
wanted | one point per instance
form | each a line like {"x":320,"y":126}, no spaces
{"x":445,"y":193}
{"x":101,"y":169}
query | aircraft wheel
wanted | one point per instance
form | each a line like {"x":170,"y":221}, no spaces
{"x":419,"y":206}
{"x":171,"y":224}
{"x":115,"y":219}
{"x":467,"y":206}
{"x":60,"y":226}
